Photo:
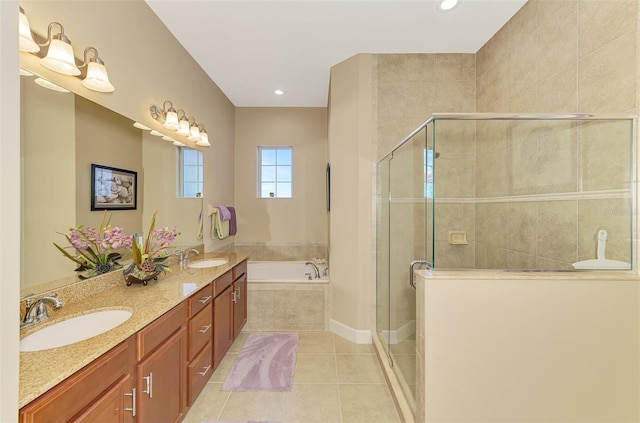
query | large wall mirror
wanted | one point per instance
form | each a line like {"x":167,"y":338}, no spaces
{"x":62,"y":134}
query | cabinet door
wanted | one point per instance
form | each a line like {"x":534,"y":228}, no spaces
{"x":198,"y":373}
{"x":114,"y":406}
{"x":222,"y":324}
{"x":239,"y":305}
{"x":161,"y":382}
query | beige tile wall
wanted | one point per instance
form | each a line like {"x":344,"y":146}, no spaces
{"x":560,"y":56}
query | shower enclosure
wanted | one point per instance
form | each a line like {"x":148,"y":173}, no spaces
{"x":503,"y":192}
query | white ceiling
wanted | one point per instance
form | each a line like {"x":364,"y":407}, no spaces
{"x":252,"y":47}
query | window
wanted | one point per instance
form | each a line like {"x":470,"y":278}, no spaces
{"x":275,"y":172}
{"x":191,"y":172}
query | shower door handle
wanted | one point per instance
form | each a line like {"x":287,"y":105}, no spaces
{"x":411,"y":266}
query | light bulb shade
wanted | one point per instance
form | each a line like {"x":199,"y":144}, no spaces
{"x":60,"y":58}
{"x":166,"y":138}
{"x":178,"y":144}
{"x":97,"y":78}
{"x":24,"y":31}
{"x":194,"y":133}
{"x":184,"y":127}
{"x":204,"y":139}
{"x":156,"y":133}
{"x":171,"y":120}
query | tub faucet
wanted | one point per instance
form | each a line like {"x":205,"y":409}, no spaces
{"x":40,"y":308}
{"x":316,"y":271}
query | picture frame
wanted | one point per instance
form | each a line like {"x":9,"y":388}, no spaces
{"x":113,"y":188}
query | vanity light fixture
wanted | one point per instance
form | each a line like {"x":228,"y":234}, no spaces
{"x":194,"y":131}
{"x":181,"y":123}
{"x":59,"y":55}
{"x":27,"y":43}
{"x":204,"y":138}
{"x":171,"y":117}
{"x":97,"y":78}
{"x":183,"y":128}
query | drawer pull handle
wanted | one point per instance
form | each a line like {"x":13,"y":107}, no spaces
{"x":203,"y":300}
{"x":238,"y":289}
{"x":133,"y":402}
{"x":205,"y":370}
{"x":234,"y":299}
{"x":149,"y":380}
{"x":204,"y":329}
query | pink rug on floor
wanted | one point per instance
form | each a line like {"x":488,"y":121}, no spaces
{"x":265,"y":363}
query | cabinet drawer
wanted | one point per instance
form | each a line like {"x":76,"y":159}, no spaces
{"x":154,"y":334}
{"x":69,"y":397}
{"x":239,"y":270}
{"x":200,"y":330}
{"x":199,"y":372}
{"x":200,"y":299}
{"x":221,"y":283}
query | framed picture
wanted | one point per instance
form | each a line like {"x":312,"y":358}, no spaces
{"x":113,"y":188}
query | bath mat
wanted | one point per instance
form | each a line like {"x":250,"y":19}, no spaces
{"x":265,"y":363}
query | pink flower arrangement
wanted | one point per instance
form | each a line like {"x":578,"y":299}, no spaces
{"x":95,"y":247}
{"x":148,"y":256}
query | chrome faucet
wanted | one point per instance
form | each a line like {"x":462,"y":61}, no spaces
{"x":40,"y":314}
{"x":184,"y":257}
{"x":316,"y":271}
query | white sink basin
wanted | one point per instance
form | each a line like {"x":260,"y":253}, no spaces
{"x":74,"y":330}
{"x":208,"y":263}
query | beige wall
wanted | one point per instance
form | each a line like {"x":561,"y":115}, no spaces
{"x":556,"y":57}
{"x":351,"y":157}
{"x":9,"y":211}
{"x":297,"y":221}
{"x":548,"y":350}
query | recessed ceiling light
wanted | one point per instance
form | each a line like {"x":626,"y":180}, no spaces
{"x":447,"y":5}
{"x":278,"y":92}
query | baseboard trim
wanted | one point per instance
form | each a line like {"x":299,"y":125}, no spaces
{"x":349,"y":333}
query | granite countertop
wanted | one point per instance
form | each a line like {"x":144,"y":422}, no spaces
{"x":42,"y":370}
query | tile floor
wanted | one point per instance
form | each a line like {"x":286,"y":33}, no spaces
{"x":335,"y":381}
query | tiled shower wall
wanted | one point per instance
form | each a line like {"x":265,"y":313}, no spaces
{"x":562,"y":56}
{"x":555,"y":57}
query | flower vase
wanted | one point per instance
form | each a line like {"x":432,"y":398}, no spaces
{"x":133,"y":274}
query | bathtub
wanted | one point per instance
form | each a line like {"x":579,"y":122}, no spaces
{"x":280,"y":297}
{"x":284,"y":272}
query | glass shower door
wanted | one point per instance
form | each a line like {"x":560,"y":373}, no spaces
{"x":409,"y":185}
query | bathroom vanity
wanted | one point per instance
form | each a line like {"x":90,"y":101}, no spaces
{"x":150,"y":368}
